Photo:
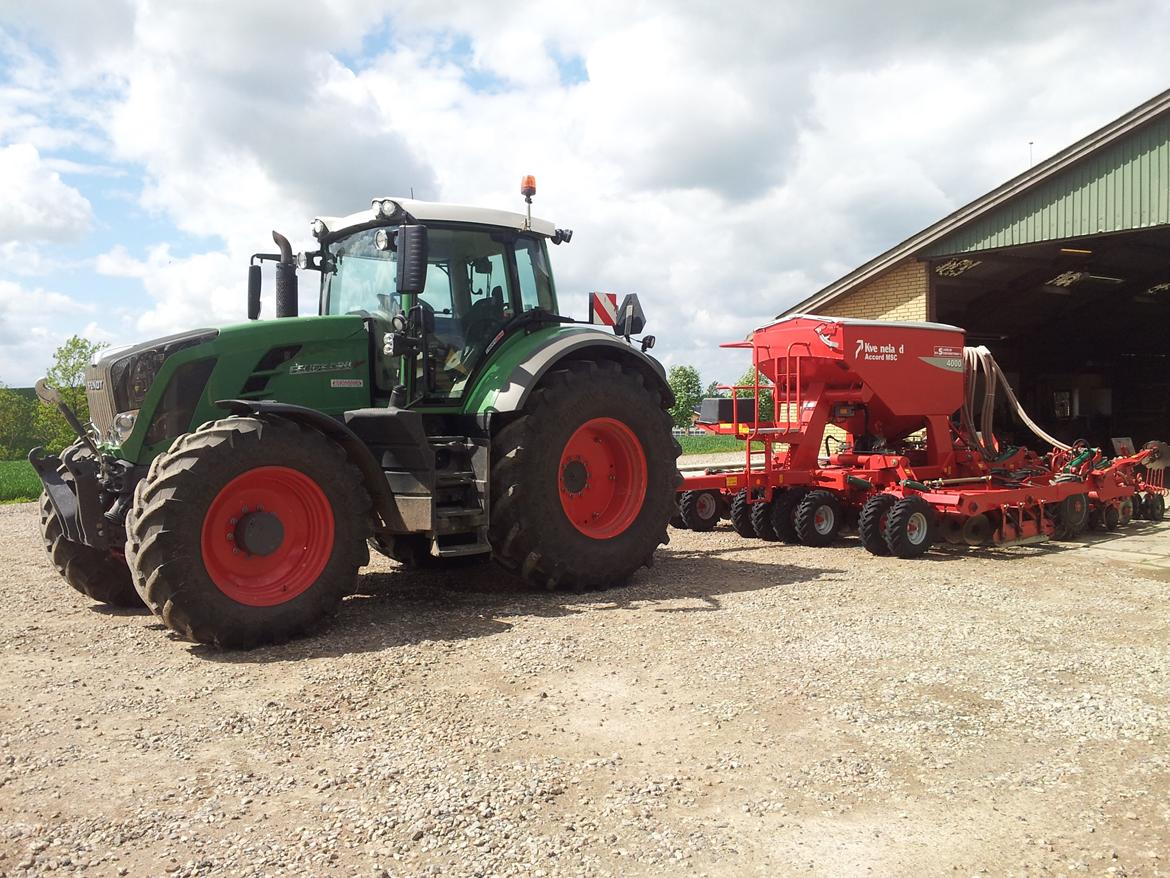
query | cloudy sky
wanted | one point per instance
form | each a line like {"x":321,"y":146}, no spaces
{"x":722,"y":159}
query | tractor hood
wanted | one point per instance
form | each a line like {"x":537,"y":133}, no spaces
{"x":142,"y":396}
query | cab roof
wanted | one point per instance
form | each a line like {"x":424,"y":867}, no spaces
{"x":424,"y":211}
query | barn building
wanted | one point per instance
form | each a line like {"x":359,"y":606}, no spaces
{"x":1063,"y":272}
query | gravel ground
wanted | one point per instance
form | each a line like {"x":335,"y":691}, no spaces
{"x":741,"y":709}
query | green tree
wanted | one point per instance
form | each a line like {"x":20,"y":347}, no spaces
{"x":67,"y":374}
{"x":766,"y":402}
{"x":17,"y":428}
{"x":688,"y":393}
{"x":713,"y":391}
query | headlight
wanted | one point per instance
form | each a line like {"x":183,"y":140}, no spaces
{"x":124,"y":425}
{"x":389,"y":209}
{"x":382,"y":240}
{"x":319,"y":228}
{"x":132,"y":376}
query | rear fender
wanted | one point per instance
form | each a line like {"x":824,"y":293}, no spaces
{"x":512,"y":393}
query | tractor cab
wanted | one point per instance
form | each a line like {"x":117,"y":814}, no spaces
{"x":439,"y":285}
{"x":472,"y":284}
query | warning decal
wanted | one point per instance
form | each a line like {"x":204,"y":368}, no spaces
{"x":603,"y":308}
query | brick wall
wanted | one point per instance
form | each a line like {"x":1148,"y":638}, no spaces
{"x":898,"y":294}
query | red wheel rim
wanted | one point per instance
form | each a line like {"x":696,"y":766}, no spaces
{"x":602,"y":478}
{"x":295,"y":550}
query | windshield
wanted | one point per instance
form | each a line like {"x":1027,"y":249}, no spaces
{"x":362,"y":279}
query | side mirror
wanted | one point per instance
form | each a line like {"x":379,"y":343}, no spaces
{"x":412,"y":259}
{"x":631,"y":319}
{"x":422,"y":319}
{"x":253,"y":292}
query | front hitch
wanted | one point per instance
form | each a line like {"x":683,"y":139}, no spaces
{"x":77,"y":501}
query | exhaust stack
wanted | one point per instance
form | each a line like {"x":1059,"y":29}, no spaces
{"x":286,"y":278}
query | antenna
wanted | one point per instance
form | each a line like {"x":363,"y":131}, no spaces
{"x":1029,"y":153}
{"x":412,"y":193}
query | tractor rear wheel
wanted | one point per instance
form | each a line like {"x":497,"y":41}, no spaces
{"x":818,"y":518}
{"x":100,"y":576}
{"x":784,"y":506}
{"x":699,"y":509}
{"x":248,"y":531}
{"x":741,"y":515}
{"x":910,"y":527}
{"x":871,"y":524}
{"x":583,"y":481}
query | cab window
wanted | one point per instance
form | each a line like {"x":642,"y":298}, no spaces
{"x":535,"y":278}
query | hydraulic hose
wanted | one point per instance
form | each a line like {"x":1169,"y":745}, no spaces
{"x":976,"y":360}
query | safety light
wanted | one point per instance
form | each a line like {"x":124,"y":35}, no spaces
{"x":528,"y":186}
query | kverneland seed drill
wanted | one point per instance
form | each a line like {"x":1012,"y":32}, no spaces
{"x":877,"y":421}
{"x":437,"y":407}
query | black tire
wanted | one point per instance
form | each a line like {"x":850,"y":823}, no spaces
{"x":699,"y":509}
{"x":871,"y":524}
{"x":531,"y":534}
{"x":187,"y":482}
{"x":741,"y":515}
{"x":784,"y":505}
{"x":1072,"y":516}
{"x":1155,"y":507}
{"x":818,"y":518}
{"x":100,"y":576}
{"x":910,"y":527}
{"x":1139,"y":507}
{"x":761,"y":512}
{"x":1110,"y":517}
{"x":1124,"y":512}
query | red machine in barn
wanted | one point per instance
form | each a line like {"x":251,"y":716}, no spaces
{"x":909,"y":462}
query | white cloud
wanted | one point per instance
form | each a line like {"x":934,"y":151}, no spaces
{"x":180,"y":293}
{"x":33,"y":323}
{"x":722,"y":169}
{"x":38,"y":205}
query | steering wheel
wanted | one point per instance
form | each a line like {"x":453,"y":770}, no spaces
{"x":483,"y":321}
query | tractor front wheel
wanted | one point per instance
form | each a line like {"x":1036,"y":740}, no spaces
{"x":100,"y":576}
{"x":248,"y":531}
{"x":583,"y":481}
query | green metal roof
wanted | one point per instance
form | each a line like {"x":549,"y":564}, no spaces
{"x":1125,"y":186}
{"x":1115,"y":179}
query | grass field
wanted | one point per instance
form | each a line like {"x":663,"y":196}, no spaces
{"x":707,"y":444}
{"x":18,"y":482}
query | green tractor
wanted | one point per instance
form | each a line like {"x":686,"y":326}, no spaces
{"x":438,"y":407}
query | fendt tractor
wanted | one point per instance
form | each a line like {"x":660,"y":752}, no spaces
{"x":438,"y":407}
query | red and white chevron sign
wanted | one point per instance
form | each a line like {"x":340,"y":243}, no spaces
{"x":603,"y":308}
